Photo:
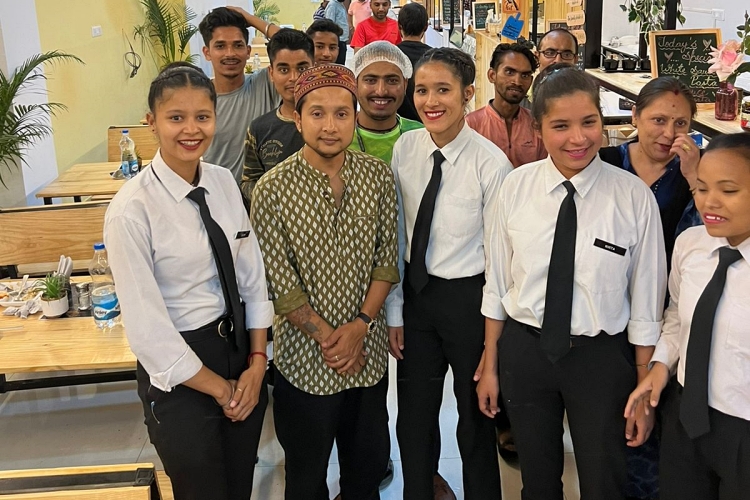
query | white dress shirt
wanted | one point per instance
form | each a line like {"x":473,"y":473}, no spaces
{"x":164,"y":269}
{"x":620,"y":264}
{"x":694,"y":261}
{"x":464,"y":212}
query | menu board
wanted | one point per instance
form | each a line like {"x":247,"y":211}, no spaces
{"x":684,"y":54}
{"x":480,"y":13}
{"x":457,"y":12}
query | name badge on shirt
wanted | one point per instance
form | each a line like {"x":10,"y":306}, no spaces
{"x":609,"y":247}
{"x":241,"y":234}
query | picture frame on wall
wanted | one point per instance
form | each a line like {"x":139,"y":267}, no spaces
{"x":479,"y":13}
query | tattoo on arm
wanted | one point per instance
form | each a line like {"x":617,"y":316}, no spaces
{"x":307,"y":320}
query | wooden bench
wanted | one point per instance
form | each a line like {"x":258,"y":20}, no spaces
{"x":104,"y":482}
{"x":37,"y":236}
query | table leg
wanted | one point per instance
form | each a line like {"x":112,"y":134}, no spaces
{"x":2,"y":383}
{"x":47,"y":200}
{"x":77,"y":199}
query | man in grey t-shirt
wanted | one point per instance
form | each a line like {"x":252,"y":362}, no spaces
{"x":240,"y":98}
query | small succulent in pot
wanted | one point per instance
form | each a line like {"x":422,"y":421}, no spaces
{"x":53,"y":287}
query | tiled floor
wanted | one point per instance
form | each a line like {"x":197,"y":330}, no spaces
{"x":103,"y":424}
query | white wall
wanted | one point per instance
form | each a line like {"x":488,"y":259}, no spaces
{"x":21,"y":40}
{"x":615,"y":21}
{"x":697,"y":15}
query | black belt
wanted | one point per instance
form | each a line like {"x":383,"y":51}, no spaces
{"x":220,"y":327}
{"x":575,"y":340}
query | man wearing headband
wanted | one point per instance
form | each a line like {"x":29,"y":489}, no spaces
{"x":326,"y":222}
{"x":382,"y":72}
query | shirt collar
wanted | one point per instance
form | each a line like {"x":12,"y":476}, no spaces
{"x":320,"y":176}
{"x":491,"y":110}
{"x":743,"y":247}
{"x":455,"y":147}
{"x":174,"y":184}
{"x":583,"y":181}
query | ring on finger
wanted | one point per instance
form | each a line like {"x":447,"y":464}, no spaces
{"x":238,"y":390}
{"x":686,"y":148}
{"x":337,"y":358}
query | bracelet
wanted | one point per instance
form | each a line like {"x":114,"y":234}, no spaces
{"x":230,"y":396}
{"x":256,"y":353}
{"x":268,"y":26}
{"x":642,"y":366}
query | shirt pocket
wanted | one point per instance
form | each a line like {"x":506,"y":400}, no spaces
{"x":461,"y":216}
{"x":601,"y":270}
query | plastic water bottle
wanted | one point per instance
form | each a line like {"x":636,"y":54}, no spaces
{"x":256,"y":63}
{"x":103,"y":295}
{"x":128,"y":158}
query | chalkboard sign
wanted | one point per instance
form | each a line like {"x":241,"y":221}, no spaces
{"x":684,"y":54}
{"x":457,"y":12}
{"x":480,"y":13}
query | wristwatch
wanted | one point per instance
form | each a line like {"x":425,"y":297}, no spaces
{"x":368,"y":321}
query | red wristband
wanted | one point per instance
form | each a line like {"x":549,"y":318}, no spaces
{"x":256,"y":353}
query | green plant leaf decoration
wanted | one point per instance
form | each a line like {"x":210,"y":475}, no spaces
{"x":23,"y":124}
{"x":166,"y":32}
{"x":52,"y":286}
{"x":649,"y":14}
{"x":266,"y":10}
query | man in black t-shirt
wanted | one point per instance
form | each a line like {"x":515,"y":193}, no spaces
{"x":412,"y":21}
{"x":273,"y":137}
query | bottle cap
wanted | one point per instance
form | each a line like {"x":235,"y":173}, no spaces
{"x":98,"y":246}
{"x":125,"y":131}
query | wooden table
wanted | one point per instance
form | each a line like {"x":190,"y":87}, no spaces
{"x":138,"y":481}
{"x":83,"y":179}
{"x":32,"y":346}
{"x":630,"y":85}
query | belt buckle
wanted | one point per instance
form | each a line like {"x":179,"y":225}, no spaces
{"x":222,"y":323}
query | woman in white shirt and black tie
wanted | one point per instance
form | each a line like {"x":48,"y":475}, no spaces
{"x":184,"y":259}
{"x":447,"y":177}
{"x":576,"y":277}
{"x":705,"y":341}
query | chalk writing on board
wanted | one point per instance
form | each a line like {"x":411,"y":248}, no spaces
{"x":684,"y":54}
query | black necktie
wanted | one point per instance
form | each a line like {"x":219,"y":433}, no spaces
{"x":225,"y":266}
{"x":421,"y":234}
{"x":558,"y":302}
{"x":694,"y":406}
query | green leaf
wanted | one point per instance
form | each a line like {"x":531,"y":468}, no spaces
{"x":21,"y":125}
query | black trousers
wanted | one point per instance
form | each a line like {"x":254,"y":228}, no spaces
{"x":715,"y":466}
{"x":443,"y":326}
{"x":592,"y":383}
{"x":205,"y":454}
{"x":341,"y":59}
{"x":307,"y":425}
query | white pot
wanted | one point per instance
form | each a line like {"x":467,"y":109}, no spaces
{"x":55,"y":308}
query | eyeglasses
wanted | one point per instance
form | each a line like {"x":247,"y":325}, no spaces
{"x":565,"y":55}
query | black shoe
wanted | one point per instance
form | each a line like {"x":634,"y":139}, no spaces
{"x":388,"y":477}
{"x":506,"y":447}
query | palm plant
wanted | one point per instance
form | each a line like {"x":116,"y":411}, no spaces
{"x":266,"y":10}
{"x":23,"y":124}
{"x":166,"y":32}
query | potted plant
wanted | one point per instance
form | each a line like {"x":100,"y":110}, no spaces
{"x":54,"y":288}
{"x":23,"y":124}
{"x":649,"y":14}
{"x":166,"y":32}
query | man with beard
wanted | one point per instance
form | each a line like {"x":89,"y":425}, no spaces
{"x":240,"y":98}
{"x":503,"y":121}
{"x":382,"y":72}
{"x":377,"y":27}
{"x":326,"y":223}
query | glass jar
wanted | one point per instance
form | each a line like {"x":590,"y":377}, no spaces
{"x":745,"y":114}
{"x":726,"y":102}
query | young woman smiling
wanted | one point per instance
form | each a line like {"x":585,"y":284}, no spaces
{"x":576,"y":277}
{"x":448,"y":177}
